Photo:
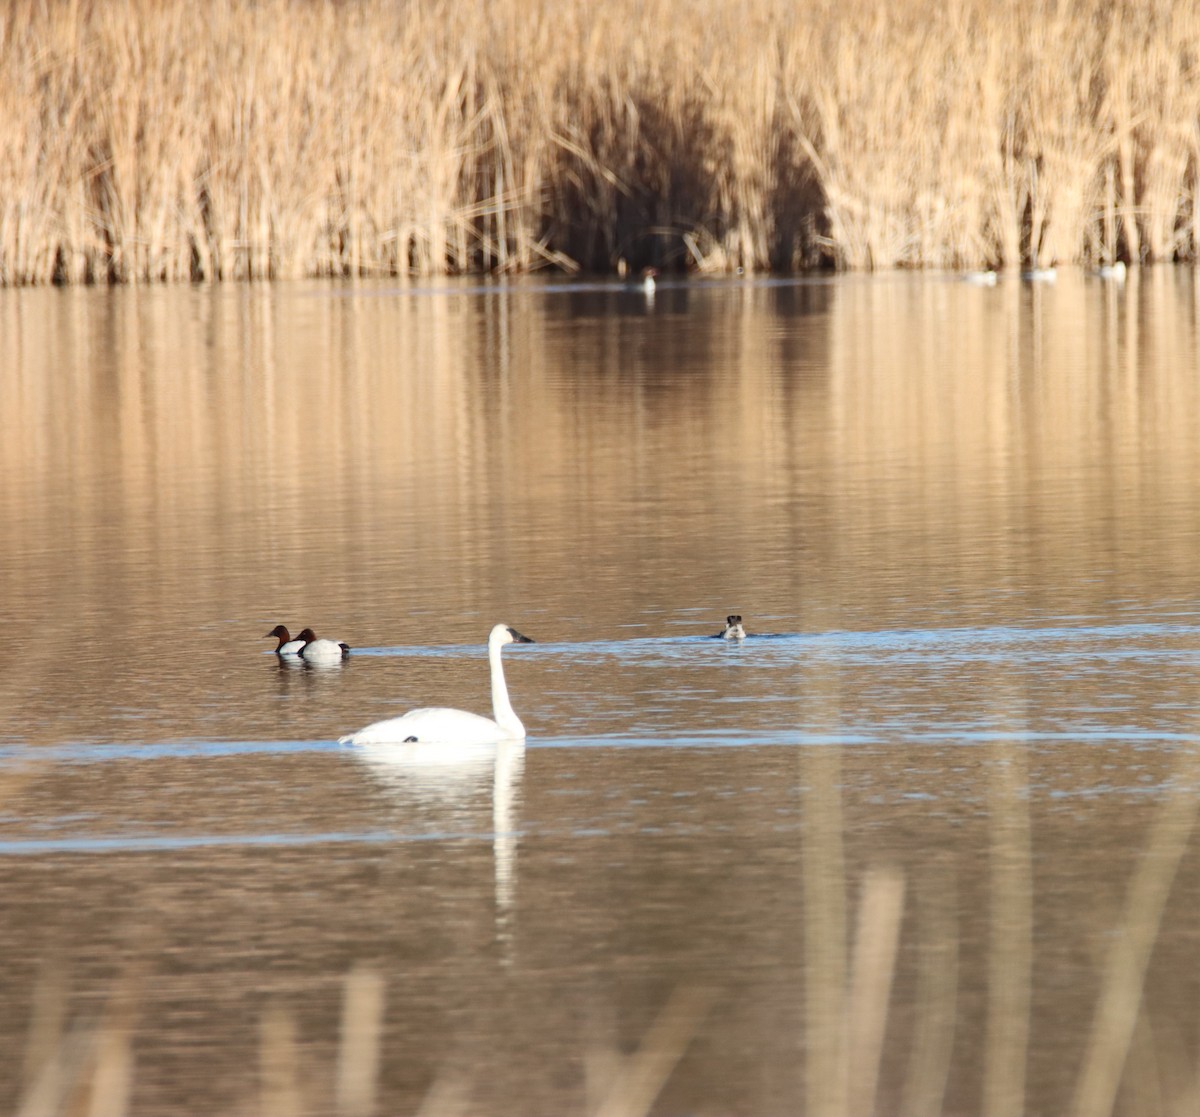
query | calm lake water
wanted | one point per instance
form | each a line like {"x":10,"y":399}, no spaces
{"x":922,"y":844}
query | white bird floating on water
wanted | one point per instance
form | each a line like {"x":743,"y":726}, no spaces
{"x":437,"y":724}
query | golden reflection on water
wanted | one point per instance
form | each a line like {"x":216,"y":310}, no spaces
{"x":938,"y":921}
{"x":862,"y":424}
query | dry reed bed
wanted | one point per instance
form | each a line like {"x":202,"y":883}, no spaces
{"x":157,"y":139}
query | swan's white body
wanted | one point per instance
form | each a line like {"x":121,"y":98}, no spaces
{"x":437,"y":724}
{"x":733,"y":628}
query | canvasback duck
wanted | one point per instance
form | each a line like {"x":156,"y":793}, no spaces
{"x":436,"y":724}
{"x":287,"y":647}
{"x":322,"y":651}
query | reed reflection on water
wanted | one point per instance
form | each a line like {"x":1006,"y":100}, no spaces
{"x":935,"y":833}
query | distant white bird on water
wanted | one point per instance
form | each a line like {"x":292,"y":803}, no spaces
{"x":437,"y":724}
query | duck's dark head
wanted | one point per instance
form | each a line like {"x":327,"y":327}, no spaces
{"x":279,"y":633}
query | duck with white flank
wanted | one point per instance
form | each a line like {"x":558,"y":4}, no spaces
{"x":287,"y":647}
{"x":322,"y":652}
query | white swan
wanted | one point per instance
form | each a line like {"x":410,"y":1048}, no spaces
{"x":287,"y":648}
{"x":733,"y":628}
{"x":321,"y":651}
{"x":438,"y":724}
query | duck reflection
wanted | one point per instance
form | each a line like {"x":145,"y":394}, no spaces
{"x":450,"y":783}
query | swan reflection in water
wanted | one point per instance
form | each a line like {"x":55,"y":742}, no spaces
{"x":439,"y":757}
{"x":449,"y":783}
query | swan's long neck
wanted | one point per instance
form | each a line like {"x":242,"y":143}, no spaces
{"x":502,"y":709}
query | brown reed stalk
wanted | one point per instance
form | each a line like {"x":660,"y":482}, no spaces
{"x":641,"y":1077}
{"x":876,"y":941}
{"x":280,"y":1094}
{"x":360,"y":1050}
{"x":1128,"y":955}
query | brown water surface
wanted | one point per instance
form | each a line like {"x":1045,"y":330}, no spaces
{"x":923,"y":843}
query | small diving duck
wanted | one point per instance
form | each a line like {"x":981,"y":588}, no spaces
{"x":287,"y":647}
{"x":321,"y":651}
{"x":733,"y":628}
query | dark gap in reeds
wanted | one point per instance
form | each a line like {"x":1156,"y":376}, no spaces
{"x":158,"y":140}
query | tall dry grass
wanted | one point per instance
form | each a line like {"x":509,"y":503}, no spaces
{"x":156,"y":139}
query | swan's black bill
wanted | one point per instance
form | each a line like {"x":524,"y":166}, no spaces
{"x":518,"y":638}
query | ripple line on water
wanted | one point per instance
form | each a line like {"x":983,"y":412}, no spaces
{"x":83,"y":752}
{"x":162,"y":843}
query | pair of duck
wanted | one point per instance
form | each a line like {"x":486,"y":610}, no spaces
{"x":307,"y":647}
